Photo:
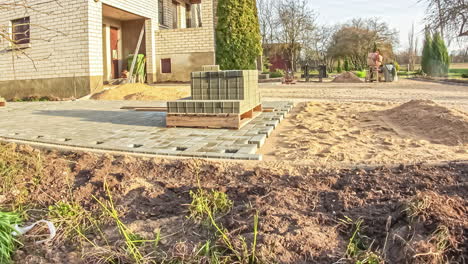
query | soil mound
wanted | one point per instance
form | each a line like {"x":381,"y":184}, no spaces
{"x":347,"y":77}
{"x":143,"y":92}
{"x":429,"y":121}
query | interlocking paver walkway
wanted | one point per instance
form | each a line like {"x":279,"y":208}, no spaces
{"x":103,"y":125}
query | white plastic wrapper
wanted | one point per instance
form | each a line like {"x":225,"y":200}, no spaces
{"x":23,"y":230}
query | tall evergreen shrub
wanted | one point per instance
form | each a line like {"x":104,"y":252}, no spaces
{"x":238,"y":39}
{"x":427,"y":57}
{"x":440,"y":56}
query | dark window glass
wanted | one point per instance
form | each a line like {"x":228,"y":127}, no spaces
{"x":166,"y":66}
{"x":175,"y":15}
{"x":188,"y":15}
{"x":161,"y":11}
{"x":21,"y":30}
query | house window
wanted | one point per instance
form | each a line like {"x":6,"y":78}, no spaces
{"x":166,"y":66}
{"x":161,"y":11}
{"x":175,"y":15}
{"x":188,"y":15}
{"x":195,"y":15}
{"x":20,"y":30}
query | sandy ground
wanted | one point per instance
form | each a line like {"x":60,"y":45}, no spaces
{"x":348,"y":134}
{"x":143,"y":92}
{"x":401,"y":91}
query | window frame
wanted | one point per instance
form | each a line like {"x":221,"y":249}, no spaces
{"x":175,"y":6}
{"x":161,"y":16}
{"x":188,"y":15}
{"x":25,"y":40}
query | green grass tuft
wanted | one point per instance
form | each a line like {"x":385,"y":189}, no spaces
{"x":8,"y":242}
{"x":206,"y":203}
{"x":357,"y":250}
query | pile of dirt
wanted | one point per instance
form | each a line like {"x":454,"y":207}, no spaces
{"x":347,"y":77}
{"x":413,"y":214}
{"x":366,"y":133}
{"x":427,"y":120}
{"x":143,"y":92}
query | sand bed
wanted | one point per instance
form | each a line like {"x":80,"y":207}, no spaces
{"x":333,"y":134}
{"x":143,"y":92}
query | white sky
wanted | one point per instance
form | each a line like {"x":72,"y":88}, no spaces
{"x":399,"y":14}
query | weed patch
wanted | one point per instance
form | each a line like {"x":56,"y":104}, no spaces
{"x":208,"y":203}
{"x":72,"y":221}
{"x":132,"y":241}
{"x":14,"y":166}
{"x":359,"y":250}
{"x":8,"y":243}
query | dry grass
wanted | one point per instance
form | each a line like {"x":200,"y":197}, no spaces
{"x":143,"y":92}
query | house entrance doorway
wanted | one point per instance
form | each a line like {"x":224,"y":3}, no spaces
{"x":114,"y":48}
{"x":120,"y":34}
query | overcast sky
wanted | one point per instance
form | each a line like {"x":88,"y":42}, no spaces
{"x":399,"y":14}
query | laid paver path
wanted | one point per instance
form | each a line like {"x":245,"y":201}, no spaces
{"x":103,"y":125}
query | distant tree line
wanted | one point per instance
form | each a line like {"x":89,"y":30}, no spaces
{"x":292,"y":25}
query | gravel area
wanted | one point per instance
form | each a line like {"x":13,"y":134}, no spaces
{"x":452,"y":95}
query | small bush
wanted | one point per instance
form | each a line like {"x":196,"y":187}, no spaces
{"x":361,"y":74}
{"x":277,"y":74}
{"x":205,"y":203}
{"x":464,"y":75}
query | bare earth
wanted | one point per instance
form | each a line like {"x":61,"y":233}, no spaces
{"x":349,"y":134}
{"x":143,"y":92}
{"x":354,"y":124}
{"x":455,"y":95}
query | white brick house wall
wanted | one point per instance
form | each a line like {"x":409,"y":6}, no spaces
{"x":179,"y":44}
{"x":59,"y":38}
{"x":67,"y":39}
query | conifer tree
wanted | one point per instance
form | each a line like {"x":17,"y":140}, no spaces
{"x":338,"y":68}
{"x":440,"y":56}
{"x":238,"y":39}
{"x":346,"y":65}
{"x":427,"y":57}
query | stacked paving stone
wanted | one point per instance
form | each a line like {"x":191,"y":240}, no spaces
{"x":220,"y":92}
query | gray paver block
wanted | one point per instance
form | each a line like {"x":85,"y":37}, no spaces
{"x":242,"y":141}
{"x":247,"y":157}
{"x":259,"y":140}
{"x":273,"y":123}
{"x":267,"y":131}
{"x":248,"y":149}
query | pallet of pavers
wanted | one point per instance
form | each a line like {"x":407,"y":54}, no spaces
{"x":220,"y":99}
